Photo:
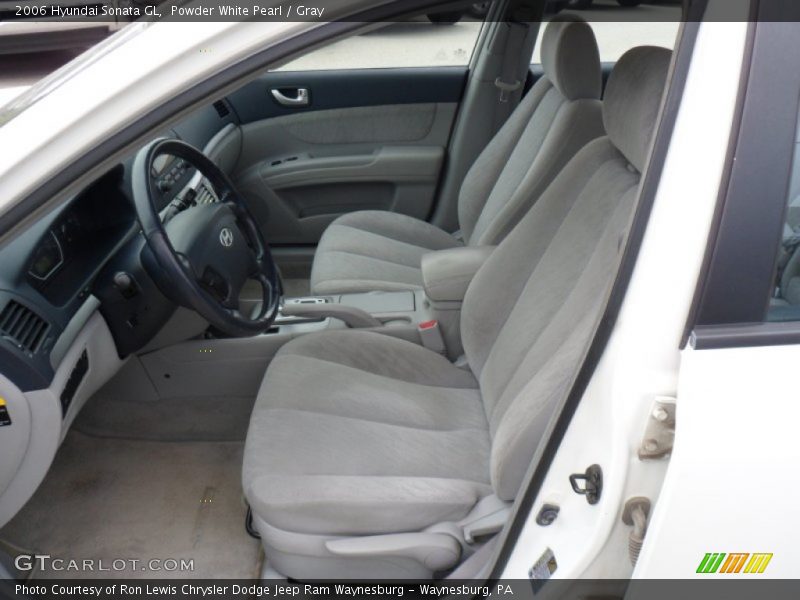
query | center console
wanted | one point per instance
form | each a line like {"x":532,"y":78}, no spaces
{"x":226,"y":367}
{"x":390,"y":313}
{"x":429,"y":316}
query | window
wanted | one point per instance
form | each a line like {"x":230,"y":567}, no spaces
{"x":416,"y":43}
{"x":753,"y":272}
{"x":615,"y":38}
{"x":785,"y":302}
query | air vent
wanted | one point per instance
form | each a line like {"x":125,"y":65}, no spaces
{"x":22,"y":326}
{"x":222,"y":109}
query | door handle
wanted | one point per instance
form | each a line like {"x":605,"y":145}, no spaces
{"x":301,"y":97}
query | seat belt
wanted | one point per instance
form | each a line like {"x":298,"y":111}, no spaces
{"x":431,"y":336}
{"x":509,"y":82}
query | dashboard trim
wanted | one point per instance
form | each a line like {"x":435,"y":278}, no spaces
{"x":47,"y":425}
{"x":71,"y":331}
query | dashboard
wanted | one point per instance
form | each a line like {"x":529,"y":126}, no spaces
{"x":80,"y":292}
{"x":78,"y":295}
{"x":90,"y":250}
{"x":81,"y":238}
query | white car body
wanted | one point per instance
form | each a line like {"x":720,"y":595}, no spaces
{"x":642,"y":363}
{"x":9,"y":93}
{"x":727,"y":442}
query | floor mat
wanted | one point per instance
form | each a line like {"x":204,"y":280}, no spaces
{"x":114,"y":499}
{"x":168,"y":419}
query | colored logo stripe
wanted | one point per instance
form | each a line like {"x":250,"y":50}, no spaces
{"x":711,"y":562}
{"x":734,"y":563}
{"x":758,"y":563}
{"x":714,"y":562}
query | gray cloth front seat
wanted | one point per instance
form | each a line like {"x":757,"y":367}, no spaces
{"x":381,"y":250}
{"x":366,"y":454}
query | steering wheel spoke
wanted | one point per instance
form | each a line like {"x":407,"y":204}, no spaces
{"x":186,"y":263}
{"x":217,"y":285}
{"x":231,"y":201}
{"x":208,"y":251}
{"x":269,"y":292}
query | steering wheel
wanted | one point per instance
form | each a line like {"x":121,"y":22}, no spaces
{"x":208,"y":251}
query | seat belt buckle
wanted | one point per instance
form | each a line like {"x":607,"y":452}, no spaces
{"x":431,"y":336}
{"x":506,"y":88}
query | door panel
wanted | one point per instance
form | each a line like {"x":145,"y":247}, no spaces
{"x":348,"y":89}
{"x":366,"y":139}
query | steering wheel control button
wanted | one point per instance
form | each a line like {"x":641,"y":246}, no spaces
{"x":216,"y":284}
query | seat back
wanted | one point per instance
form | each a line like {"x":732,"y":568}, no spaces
{"x":530,"y":311}
{"x":558,"y":116}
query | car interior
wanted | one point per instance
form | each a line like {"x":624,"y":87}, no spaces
{"x":309,"y":331}
{"x":785,"y":303}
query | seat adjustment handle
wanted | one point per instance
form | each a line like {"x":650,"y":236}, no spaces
{"x":437,"y":551}
{"x":486,"y":525}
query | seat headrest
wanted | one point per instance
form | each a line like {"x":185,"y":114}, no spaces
{"x":570,"y":58}
{"x":633,"y":98}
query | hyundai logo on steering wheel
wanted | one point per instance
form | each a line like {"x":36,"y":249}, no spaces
{"x":226,"y":237}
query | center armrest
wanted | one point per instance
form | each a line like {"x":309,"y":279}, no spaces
{"x":446,"y":274}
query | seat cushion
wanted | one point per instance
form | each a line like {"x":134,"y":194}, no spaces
{"x":358,"y":433}
{"x":374,"y":250}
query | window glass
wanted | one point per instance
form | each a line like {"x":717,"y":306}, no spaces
{"x":615,"y":38}
{"x":785,"y":302}
{"x":420,"y":42}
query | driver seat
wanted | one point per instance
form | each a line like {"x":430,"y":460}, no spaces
{"x":372,"y":457}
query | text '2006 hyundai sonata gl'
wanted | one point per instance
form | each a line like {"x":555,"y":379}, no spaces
{"x":478,"y":300}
